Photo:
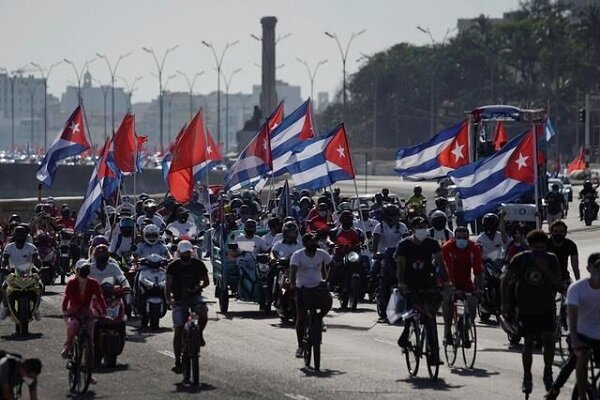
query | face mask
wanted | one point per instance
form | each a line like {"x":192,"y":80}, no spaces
{"x":27,"y":380}
{"x":102,"y":259}
{"x":461,"y":243}
{"x":84,"y":272}
{"x":311,"y":247}
{"x":347,"y":224}
{"x":322,"y":214}
{"x":558,"y":237}
{"x":249,"y":232}
{"x":420,"y":234}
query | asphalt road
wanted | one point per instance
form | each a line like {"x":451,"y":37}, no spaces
{"x":249,"y":355}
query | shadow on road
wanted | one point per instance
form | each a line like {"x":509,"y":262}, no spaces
{"x":86,"y":396}
{"x":428,"y":383}
{"x":18,"y":338}
{"x":357,"y":311}
{"x":349,"y":327}
{"x":202,"y":387}
{"x":118,"y":368}
{"x":475,"y":372}
{"x":248,"y":315}
{"x":324,"y":373}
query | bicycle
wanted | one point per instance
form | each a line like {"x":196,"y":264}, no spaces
{"x":464,"y":332}
{"x":81,"y":361}
{"x":562,"y":329}
{"x":312,"y":339}
{"x":593,"y":392}
{"x":190,"y":354}
{"x":418,"y":344}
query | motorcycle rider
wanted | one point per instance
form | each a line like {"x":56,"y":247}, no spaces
{"x":418,"y":200}
{"x":182,"y":226}
{"x":556,"y":205}
{"x":346,"y":237}
{"x":286,"y":247}
{"x":249,"y":235}
{"x":321,"y":220}
{"x":103,"y":267}
{"x":420,"y":264}
{"x":390,"y":231}
{"x":65,"y":220}
{"x":441,"y":204}
{"x":139,"y":205}
{"x":309,"y":267}
{"x":442,"y":189}
{"x":438,"y":229}
{"x":19,"y":252}
{"x":122,"y":242}
{"x":186,"y":277}
{"x":151,"y":244}
{"x":528,"y":287}
{"x":126,"y":207}
{"x":150,"y":208}
{"x":588,"y":190}
{"x":491,"y":241}
{"x":365,"y":223}
{"x":274,"y":225}
{"x":385,"y":195}
{"x":79,"y":292}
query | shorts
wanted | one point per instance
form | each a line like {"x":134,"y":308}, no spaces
{"x":181,"y":309}
{"x":535,"y":324}
{"x":314,"y":298}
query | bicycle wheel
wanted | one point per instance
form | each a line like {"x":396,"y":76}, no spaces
{"x":433,"y":352}
{"x":316,"y":340}
{"x":468,"y":342}
{"x":74,"y":365}
{"x":413,"y":350}
{"x":307,"y":343}
{"x":80,"y":371}
{"x":87,"y":363}
{"x":451,"y":351}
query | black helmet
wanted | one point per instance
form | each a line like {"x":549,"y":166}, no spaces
{"x":587,"y":184}
{"x":391,"y":211}
{"x":250,"y":226}
{"x":439,"y":220}
{"x":417,"y":190}
{"x":441,"y":203}
{"x":273,"y":222}
{"x":490,"y":222}
{"x":65,"y":212}
{"x":20,"y":233}
{"x":14,"y":217}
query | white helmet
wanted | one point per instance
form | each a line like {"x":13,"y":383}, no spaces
{"x":151,"y":234}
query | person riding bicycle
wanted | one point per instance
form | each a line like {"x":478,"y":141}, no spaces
{"x":420,"y":264}
{"x":16,"y":255}
{"x":586,"y":298}
{"x":563,"y":248}
{"x":491,"y":240}
{"x":123,"y":240}
{"x":463,"y":258}
{"x":15,"y":371}
{"x":418,"y":200}
{"x":556,"y":205}
{"x":439,"y":227}
{"x":309,"y":268}
{"x":79,"y":293}
{"x":151,"y":244}
{"x":588,"y":191}
{"x":528,"y":289}
{"x":186,"y":277}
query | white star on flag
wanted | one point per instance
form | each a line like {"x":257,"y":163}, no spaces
{"x":264,"y":145}
{"x":208,"y":149}
{"x":521,"y":161}
{"x":74,"y":128}
{"x":341,"y":151}
{"x":457,"y":151}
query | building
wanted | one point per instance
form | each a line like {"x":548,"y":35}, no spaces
{"x":322,"y":101}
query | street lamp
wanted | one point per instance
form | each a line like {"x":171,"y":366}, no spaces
{"x":45,"y":81}
{"x":113,"y":72}
{"x":227,"y":83}
{"x":160,"y":66}
{"x":31,"y":88}
{"x":169,"y":103}
{"x":12,"y":79}
{"x":434,"y":44}
{"x":279,"y":38}
{"x":344,"y":55}
{"x":190,"y":84}
{"x":219,"y":62}
{"x":104,"y":89}
{"x":130,"y":89}
{"x":312,"y":73}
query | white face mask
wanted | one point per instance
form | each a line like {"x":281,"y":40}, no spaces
{"x":420,"y":234}
{"x":27,"y":380}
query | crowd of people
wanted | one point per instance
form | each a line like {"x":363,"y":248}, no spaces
{"x":408,"y":247}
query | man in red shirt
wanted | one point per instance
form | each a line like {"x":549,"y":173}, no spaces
{"x":463,"y":258}
{"x":319,"y":221}
{"x":79,"y":293}
{"x":65,"y":220}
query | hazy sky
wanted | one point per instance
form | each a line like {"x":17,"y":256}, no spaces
{"x":45,"y":31}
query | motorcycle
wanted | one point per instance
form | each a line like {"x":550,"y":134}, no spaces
{"x":23,"y":292}
{"x":149,"y":291}
{"x":413,"y":210}
{"x":49,"y":257}
{"x":263,"y":273}
{"x":385,"y":280}
{"x":129,"y":269}
{"x":68,"y":253}
{"x":490,"y":301}
{"x":351,"y":290}
{"x":284,"y":297}
{"x":109,"y":332}
{"x":588,"y":210}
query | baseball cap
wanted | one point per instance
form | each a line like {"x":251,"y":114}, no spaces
{"x":82,"y":262}
{"x":184,"y":246}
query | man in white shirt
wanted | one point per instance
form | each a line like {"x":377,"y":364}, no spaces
{"x":366,"y":223}
{"x":491,"y":241}
{"x":309,"y":268}
{"x":248,"y":241}
{"x":390,"y":231}
{"x":183,"y":226}
{"x":289,"y":245}
{"x":274,"y":225}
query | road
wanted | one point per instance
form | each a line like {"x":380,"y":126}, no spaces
{"x":249,"y":355}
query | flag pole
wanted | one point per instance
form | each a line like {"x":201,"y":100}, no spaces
{"x":269,"y":194}
{"x":210,"y":216}
{"x":535,"y":177}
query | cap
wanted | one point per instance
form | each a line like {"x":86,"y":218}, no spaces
{"x":50,"y":200}
{"x":82,"y":262}
{"x":184,"y":246}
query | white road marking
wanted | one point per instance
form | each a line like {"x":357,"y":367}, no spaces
{"x":296,"y":396}
{"x":167,"y":353}
{"x":384,"y":341}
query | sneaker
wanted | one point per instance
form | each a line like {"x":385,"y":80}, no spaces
{"x":548,"y":379}
{"x":527,"y":386}
{"x":65,"y":353}
{"x":3,"y":313}
{"x":299,"y":352}
{"x":552,"y":394}
{"x":201,"y":339}
{"x":177,"y":368}
{"x":37,"y":316}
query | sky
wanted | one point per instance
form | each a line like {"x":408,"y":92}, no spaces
{"x":46,"y":31}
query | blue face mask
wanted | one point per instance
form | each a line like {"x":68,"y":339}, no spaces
{"x":462,"y":243}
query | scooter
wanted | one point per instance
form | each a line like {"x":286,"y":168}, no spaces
{"x":263,"y":274}
{"x":490,"y":301}
{"x":23,"y":291}
{"x":110,"y":330}
{"x":588,"y":210}
{"x":68,"y":253}
{"x":149,"y":290}
{"x":386,"y":279}
{"x":49,"y":257}
{"x":351,"y":291}
{"x":284,"y":296}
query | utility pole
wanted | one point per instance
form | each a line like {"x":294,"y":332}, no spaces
{"x":587,"y":130}
{"x":31,"y":88}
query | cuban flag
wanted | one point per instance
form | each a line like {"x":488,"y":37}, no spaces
{"x":168,"y":157}
{"x":443,"y":153}
{"x":70,"y":142}
{"x":254,"y":162}
{"x":213,"y":157}
{"x":320,"y":162}
{"x":293,"y":130}
{"x":93,"y":195}
{"x":501,"y":178}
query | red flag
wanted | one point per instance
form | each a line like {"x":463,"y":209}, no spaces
{"x":578,"y":164}
{"x":190,"y":150}
{"x":125,"y":148}
{"x":174,"y":142}
{"x":500,"y":137}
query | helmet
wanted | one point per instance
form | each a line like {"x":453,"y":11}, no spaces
{"x":418,"y":190}
{"x":250,"y":226}
{"x":290,"y":229}
{"x":555,"y":186}
{"x":126,"y":225}
{"x":345,"y":206}
{"x":490,"y":222}
{"x":98,"y":240}
{"x":306,"y":200}
{"x":150,"y":234}
{"x":150,"y":206}
{"x":184,"y":246}
{"x":14,"y":217}
{"x":385,"y":191}
{"x":143,"y":197}
{"x":587,"y":184}
{"x":50,"y":200}
{"x":38,"y":208}
{"x":235,"y":203}
{"x":20,"y":233}
{"x":273,"y":222}
{"x":65,"y":212}
{"x":439,"y":220}
{"x":305,"y":193}
{"x":441,"y":203}
{"x":125,"y":199}
{"x":110,"y":210}
{"x":154,"y":261}
{"x":346,"y":216}
{"x":391,"y":211}
{"x":182,"y":215}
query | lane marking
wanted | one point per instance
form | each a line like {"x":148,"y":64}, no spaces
{"x":296,"y":396}
{"x":167,"y":353}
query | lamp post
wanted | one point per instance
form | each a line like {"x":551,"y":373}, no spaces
{"x":344,"y":55}
{"x":31,"y":88}
{"x":190,"y":84}
{"x":113,"y":72}
{"x":130,"y":89}
{"x":279,"y":38}
{"x":434,"y":45}
{"x":45,"y":82}
{"x":169,"y":103}
{"x":104,"y":89}
{"x":219,"y":63}
{"x":227,"y":83}
{"x":312,"y":73}
{"x":12,"y":79}
{"x":160,"y":67}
